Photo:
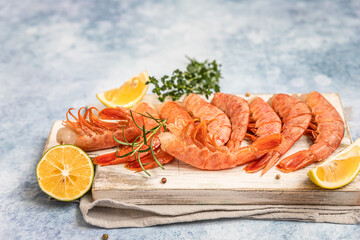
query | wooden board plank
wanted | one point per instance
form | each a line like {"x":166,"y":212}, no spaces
{"x":188,"y":185}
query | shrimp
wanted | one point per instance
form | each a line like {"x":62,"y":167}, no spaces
{"x":234,"y":106}
{"x":326,"y":129}
{"x":263,"y":120}
{"x":173,"y":113}
{"x":194,"y":145}
{"x":220,"y":129}
{"x":110,"y":113}
{"x":149,"y":123}
{"x":94,"y":133}
{"x":295,"y":116}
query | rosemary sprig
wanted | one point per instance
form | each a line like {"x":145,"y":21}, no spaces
{"x":199,"y":77}
{"x":147,"y":140}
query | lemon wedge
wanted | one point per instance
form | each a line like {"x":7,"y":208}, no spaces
{"x":341,"y":170}
{"x":130,"y":93}
{"x":65,"y":172}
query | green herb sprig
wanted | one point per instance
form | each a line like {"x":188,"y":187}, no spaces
{"x":199,"y":77}
{"x":147,"y":137}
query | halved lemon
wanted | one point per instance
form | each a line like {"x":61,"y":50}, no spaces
{"x":130,"y":93}
{"x":65,"y":172}
{"x":341,"y":170}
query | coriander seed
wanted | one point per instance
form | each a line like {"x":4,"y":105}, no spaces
{"x":163,"y":180}
{"x":105,"y":237}
{"x":277,"y":177}
{"x":247,"y":94}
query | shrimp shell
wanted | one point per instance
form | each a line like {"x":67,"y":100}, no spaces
{"x":199,"y":108}
{"x":193,"y":145}
{"x":295,"y":116}
{"x":239,"y":109}
{"x":326,"y":128}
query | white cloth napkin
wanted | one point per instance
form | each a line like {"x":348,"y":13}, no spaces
{"x":108,"y":213}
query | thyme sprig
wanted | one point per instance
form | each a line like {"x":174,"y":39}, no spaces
{"x":199,"y":77}
{"x":145,"y":139}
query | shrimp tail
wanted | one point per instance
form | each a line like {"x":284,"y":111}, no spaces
{"x":105,"y":158}
{"x":271,"y":160}
{"x":296,"y":161}
{"x":266,"y":161}
{"x":258,"y":148}
{"x":112,"y":159}
{"x":149,"y":162}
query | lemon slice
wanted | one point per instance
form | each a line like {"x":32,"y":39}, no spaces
{"x":130,"y":93}
{"x":341,"y":170}
{"x":65,"y":172}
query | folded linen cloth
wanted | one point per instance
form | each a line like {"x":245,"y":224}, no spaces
{"x":108,"y":213}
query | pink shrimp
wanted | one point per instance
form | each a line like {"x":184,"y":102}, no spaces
{"x":173,"y":113}
{"x":94,"y":133}
{"x":263,"y":120}
{"x":295,"y":116}
{"x":234,"y":106}
{"x":192,"y":144}
{"x":326,"y":129}
{"x":199,"y":108}
{"x":149,"y":123}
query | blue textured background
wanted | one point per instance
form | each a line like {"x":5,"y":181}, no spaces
{"x":59,"y":54}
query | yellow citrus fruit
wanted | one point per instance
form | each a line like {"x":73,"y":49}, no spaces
{"x":130,"y":93}
{"x":340,"y":170}
{"x":65,"y":172}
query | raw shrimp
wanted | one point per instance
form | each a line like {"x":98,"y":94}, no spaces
{"x":220,"y":129}
{"x":237,"y":107}
{"x":295,"y":116}
{"x":326,"y":129}
{"x":263,"y":120}
{"x":168,"y":110}
{"x":173,"y":113}
{"x":94,"y":133}
{"x":192,"y":144}
{"x":146,"y":157}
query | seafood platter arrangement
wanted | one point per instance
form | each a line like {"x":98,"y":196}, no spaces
{"x":200,"y":147}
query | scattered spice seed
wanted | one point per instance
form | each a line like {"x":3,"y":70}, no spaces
{"x":105,"y":237}
{"x":163,"y":180}
{"x":277,"y":177}
{"x":247,"y":94}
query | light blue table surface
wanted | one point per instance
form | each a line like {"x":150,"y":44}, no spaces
{"x":58,"y":54}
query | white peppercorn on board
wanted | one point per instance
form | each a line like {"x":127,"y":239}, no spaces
{"x":188,"y":185}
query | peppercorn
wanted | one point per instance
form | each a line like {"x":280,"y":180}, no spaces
{"x":163,"y":180}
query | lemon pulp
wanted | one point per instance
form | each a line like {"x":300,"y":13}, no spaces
{"x":130,"y":93}
{"x":65,"y":172}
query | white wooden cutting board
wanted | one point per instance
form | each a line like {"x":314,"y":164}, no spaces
{"x":188,"y":185}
